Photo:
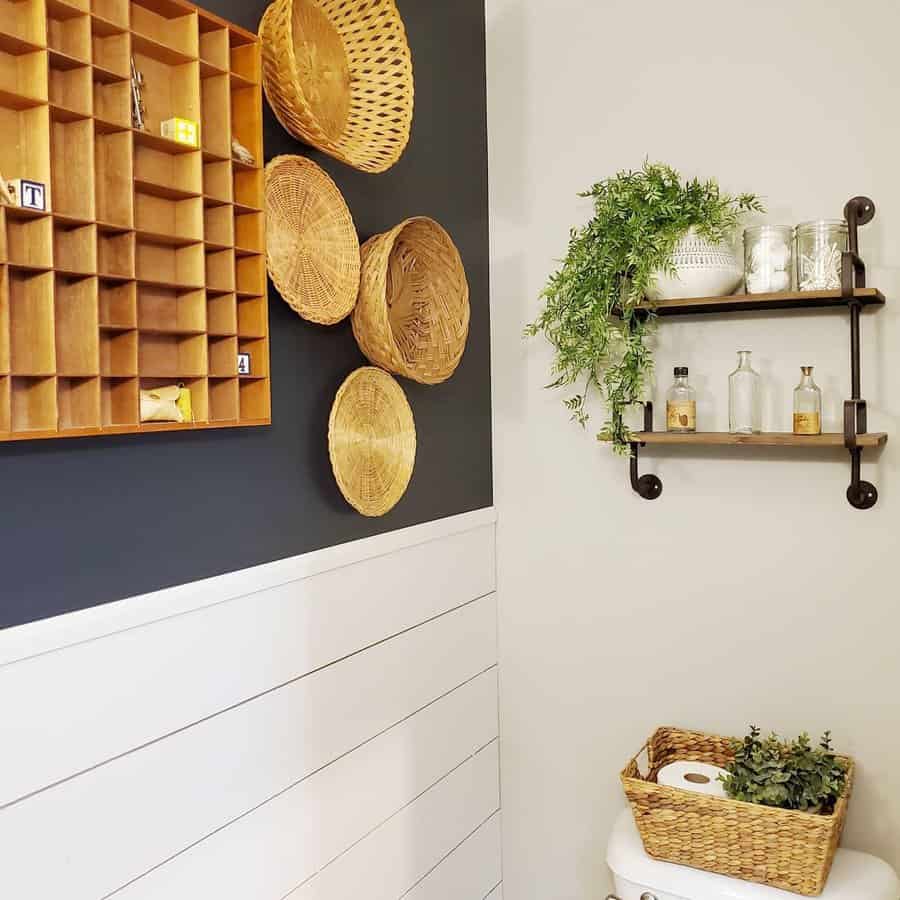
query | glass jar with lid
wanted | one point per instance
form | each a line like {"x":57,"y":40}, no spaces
{"x":819,"y":253}
{"x":768,"y":259}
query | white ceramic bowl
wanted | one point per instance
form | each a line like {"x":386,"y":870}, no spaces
{"x":702,"y":269}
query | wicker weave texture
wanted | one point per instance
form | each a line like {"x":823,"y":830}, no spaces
{"x":780,"y":848}
{"x":338,"y":75}
{"x":372,"y":441}
{"x":312,"y":249}
{"x":412,"y":316}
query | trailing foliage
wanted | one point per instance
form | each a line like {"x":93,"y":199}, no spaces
{"x":792,"y":775}
{"x":591,"y":311}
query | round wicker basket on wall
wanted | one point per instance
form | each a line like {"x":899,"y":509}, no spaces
{"x":372,"y":441}
{"x":338,"y":75}
{"x":412,"y":315}
{"x":311,"y":242}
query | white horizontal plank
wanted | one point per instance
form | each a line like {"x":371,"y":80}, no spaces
{"x":66,"y":630}
{"x":67,"y":711}
{"x":471,"y":870}
{"x":286,"y":841}
{"x":94,"y":833}
{"x":402,"y":851}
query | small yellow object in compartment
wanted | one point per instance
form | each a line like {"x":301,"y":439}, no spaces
{"x":184,"y":131}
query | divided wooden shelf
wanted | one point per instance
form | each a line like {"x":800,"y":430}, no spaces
{"x":149,"y":266}
{"x":790,"y":300}
{"x":772,"y":439}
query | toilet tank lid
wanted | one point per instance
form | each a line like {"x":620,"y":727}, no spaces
{"x":854,"y":876}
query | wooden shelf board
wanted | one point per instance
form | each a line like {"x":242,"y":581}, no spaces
{"x":246,"y":251}
{"x":210,"y":201}
{"x":16,"y":46}
{"x":241,"y":81}
{"x":215,"y":246}
{"x":75,"y":221}
{"x":11,"y":100}
{"x":142,"y":186}
{"x":171,"y":285}
{"x":166,"y":240}
{"x":108,"y":76}
{"x":790,"y":300}
{"x":113,"y":227}
{"x":158,"y":142}
{"x":210,"y":70}
{"x":59,"y":113}
{"x":23,"y":267}
{"x":245,"y":167}
{"x":61,"y":60}
{"x":115,"y":328}
{"x":241,"y":209}
{"x":252,"y":377}
{"x":148,"y":46}
{"x":211,"y":156}
{"x":105,"y":27}
{"x":176,"y":332}
{"x":769,"y":439}
{"x":18,"y":213}
{"x":58,"y":9}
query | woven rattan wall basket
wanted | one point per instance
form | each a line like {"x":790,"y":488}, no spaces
{"x":312,"y":247}
{"x":338,"y":75}
{"x":412,"y":316}
{"x":372,"y":441}
{"x":777,"y":847}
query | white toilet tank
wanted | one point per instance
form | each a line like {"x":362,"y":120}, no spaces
{"x":854,"y":876}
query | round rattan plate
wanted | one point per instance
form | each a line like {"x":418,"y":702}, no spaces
{"x":372,"y":441}
{"x":338,"y":75}
{"x":412,"y":316}
{"x":312,"y":246}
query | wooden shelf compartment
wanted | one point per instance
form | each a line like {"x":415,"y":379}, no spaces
{"x":255,"y":402}
{"x":4,"y":405}
{"x":224,"y":400}
{"x":112,"y":103}
{"x":199,"y":400}
{"x":220,"y":271}
{"x":175,"y":356}
{"x":75,"y":248}
{"x":25,"y":148}
{"x":169,"y":311}
{"x":175,"y":222}
{"x":23,"y":25}
{"x":29,"y":242}
{"x":246,"y":124}
{"x":789,"y":300}
{"x":249,"y":189}
{"x":111,"y":53}
{"x":250,"y":276}
{"x":113,"y":12}
{"x":214,"y":44}
{"x":218,"y":187}
{"x":176,"y":267}
{"x":77,"y":326}
{"x":770,"y":439}
{"x":119,"y":354}
{"x":72,"y":170}
{"x":245,"y":59}
{"x":223,"y":353}
{"x":170,"y":89}
{"x":116,"y":254}
{"x":70,"y":90}
{"x":119,"y":405}
{"x":215,"y":124}
{"x":23,"y":79}
{"x":69,"y":31}
{"x":167,"y":175}
{"x":249,"y":233}
{"x":221,"y":315}
{"x":218,"y":226}
{"x":167,"y":25}
{"x":253,"y":317}
{"x":78,"y":403}
{"x":32,"y":323}
{"x":118,"y":305}
{"x":114,"y":178}
{"x":4,"y":323}
{"x":33,"y":404}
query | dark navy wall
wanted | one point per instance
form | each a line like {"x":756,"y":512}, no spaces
{"x":89,"y":521}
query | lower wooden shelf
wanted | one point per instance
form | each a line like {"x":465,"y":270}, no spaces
{"x":770,"y":439}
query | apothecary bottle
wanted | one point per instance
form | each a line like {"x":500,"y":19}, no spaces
{"x":807,"y":404}
{"x":681,"y":404}
{"x":768,"y":259}
{"x":744,"y":397}
{"x":819,"y":253}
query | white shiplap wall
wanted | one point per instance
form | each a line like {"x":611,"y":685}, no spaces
{"x":321,"y":728}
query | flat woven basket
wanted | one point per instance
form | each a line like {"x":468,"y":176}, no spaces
{"x":372,"y":441}
{"x":338,"y":75}
{"x":312,"y":249}
{"x":777,"y":847}
{"x":412,"y":316}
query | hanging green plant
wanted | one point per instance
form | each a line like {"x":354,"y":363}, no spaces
{"x":595,"y":314}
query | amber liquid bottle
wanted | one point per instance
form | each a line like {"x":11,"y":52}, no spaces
{"x":681,"y":405}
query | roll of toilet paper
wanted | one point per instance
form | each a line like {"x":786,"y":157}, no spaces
{"x":699,"y":777}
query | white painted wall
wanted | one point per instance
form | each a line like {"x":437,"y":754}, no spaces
{"x":319,"y":728}
{"x":751,"y":591}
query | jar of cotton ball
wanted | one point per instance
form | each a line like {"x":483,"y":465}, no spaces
{"x":768,"y":258}
{"x":820,"y":249}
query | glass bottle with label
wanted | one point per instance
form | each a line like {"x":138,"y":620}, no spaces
{"x":807,"y":405}
{"x":681,"y":404}
{"x":744,"y":397}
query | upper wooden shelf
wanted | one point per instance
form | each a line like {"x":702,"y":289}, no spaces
{"x":750,"y":302}
{"x":771,"y":439}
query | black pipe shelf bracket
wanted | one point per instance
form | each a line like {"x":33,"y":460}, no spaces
{"x":854,"y":295}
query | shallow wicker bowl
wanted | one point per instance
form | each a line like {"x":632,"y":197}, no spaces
{"x":372,"y":441}
{"x":338,"y":75}
{"x":412,"y":316}
{"x":312,"y":247}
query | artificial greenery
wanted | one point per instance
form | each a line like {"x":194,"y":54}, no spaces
{"x":794,"y":775}
{"x":591,"y":313}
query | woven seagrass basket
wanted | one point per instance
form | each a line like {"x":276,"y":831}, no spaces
{"x":338,"y":75}
{"x":412,"y":316}
{"x":312,"y":249}
{"x":372,"y":441}
{"x":777,"y":847}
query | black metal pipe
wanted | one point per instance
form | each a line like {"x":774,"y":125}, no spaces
{"x":855,"y":377}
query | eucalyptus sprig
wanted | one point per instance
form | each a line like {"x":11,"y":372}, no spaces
{"x":595,"y":314}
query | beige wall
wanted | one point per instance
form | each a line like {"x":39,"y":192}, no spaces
{"x":751,"y":592}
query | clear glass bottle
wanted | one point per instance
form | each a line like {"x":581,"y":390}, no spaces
{"x":768,"y":259}
{"x":744,"y":397}
{"x":820,"y":246}
{"x":681,"y":404}
{"x":807,"y":404}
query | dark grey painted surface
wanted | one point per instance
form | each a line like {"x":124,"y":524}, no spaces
{"x":88,"y":521}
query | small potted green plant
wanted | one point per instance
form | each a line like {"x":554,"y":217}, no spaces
{"x":787,"y":775}
{"x":595,"y":310}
